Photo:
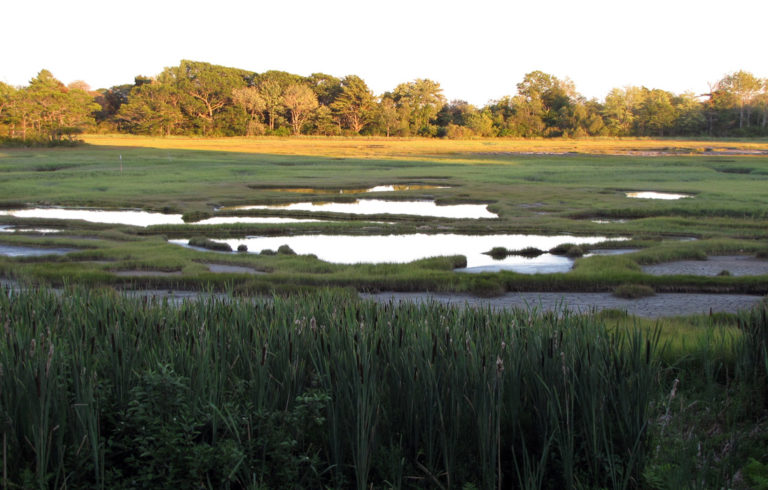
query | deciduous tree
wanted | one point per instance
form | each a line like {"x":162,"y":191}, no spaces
{"x":250,"y":99}
{"x":300,"y":101}
{"x":355,"y":105}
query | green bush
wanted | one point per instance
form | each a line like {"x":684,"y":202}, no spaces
{"x":209,"y":244}
{"x":285,"y":250}
{"x":497,"y":253}
{"x":194,"y":216}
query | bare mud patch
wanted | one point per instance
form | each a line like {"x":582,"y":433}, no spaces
{"x":735,"y":265}
{"x":661,"y":305}
{"x":140,"y":273}
{"x":232,"y":269}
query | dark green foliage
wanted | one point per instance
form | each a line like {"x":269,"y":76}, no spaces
{"x":316,"y":391}
{"x":285,"y":250}
{"x":498,"y":253}
{"x":194,"y":216}
{"x":568,"y":249}
{"x":757,"y":474}
{"x":527,"y":252}
{"x":209,"y":244}
{"x":242,"y":247}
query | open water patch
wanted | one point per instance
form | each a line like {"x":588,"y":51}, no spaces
{"x":41,"y":231}
{"x":19,"y":251}
{"x":381,"y":206}
{"x":667,"y":196}
{"x":136,"y":217}
{"x":352,"y":191}
{"x":376,"y":249}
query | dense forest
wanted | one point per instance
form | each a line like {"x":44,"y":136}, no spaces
{"x":197,"y":98}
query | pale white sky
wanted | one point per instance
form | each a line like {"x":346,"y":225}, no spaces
{"x":477,"y":50}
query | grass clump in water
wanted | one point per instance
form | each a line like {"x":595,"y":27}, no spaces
{"x":633,"y":291}
{"x":285,"y":250}
{"x":498,"y":253}
{"x":568,"y":249}
{"x":209,"y":244}
{"x":195,"y":216}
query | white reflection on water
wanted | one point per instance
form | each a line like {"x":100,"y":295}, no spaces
{"x":380,"y":206}
{"x":18,"y":251}
{"x":123,"y":217}
{"x":136,"y":218}
{"x":44,"y":231}
{"x":346,"y":249}
{"x":657,"y":195}
{"x":222,"y":220}
{"x":378,"y":188}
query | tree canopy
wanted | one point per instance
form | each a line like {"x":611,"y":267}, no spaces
{"x":197,"y":98}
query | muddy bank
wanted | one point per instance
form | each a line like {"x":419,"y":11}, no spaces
{"x":232,"y":269}
{"x":736,"y":265}
{"x":661,"y":305}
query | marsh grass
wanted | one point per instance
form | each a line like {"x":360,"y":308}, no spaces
{"x":317,"y":390}
{"x":633,"y":291}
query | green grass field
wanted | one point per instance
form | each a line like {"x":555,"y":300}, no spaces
{"x":535,"y":186}
{"x":314,"y":387}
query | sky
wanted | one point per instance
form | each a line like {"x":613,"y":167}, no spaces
{"x":478,"y":50}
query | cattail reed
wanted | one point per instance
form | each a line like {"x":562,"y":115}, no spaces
{"x":359,"y":404}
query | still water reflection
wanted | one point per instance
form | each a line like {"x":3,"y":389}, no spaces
{"x":657,"y":195}
{"x":136,"y":218}
{"x":378,"y":188}
{"x":345,"y":249}
{"x":380,"y":206}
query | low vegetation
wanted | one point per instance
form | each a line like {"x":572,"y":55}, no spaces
{"x":633,"y":291}
{"x":325,"y":390}
{"x":209,"y":244}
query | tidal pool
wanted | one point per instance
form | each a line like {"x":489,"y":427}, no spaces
{"x":17,"y":251}
{"x":380,"y":206}
{"x":375,"y":249}
{"x":44,"y":231}
{"x":121,"y":217}
{"x":669,"y":196}
{"x":136,"y":218}
{"x":221,"y":220}
{"x":378,"y":188}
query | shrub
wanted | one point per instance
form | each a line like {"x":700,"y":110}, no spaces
{"x":527,"y":252}
{"x":574,"y":252}
{"x":562,"y":249}
{"x":203,"y":242}
{"x":724,"y":273}
{"x":633,"y":291}
{"x":497,"y":253}
{"x":194,"y":216}
{"x":285,"y":250}
{"x":242,"y":247}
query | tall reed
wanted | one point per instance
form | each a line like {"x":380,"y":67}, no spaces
{"x":318,"y":390}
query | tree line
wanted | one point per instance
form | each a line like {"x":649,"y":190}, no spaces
{"x":197,"y":98}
